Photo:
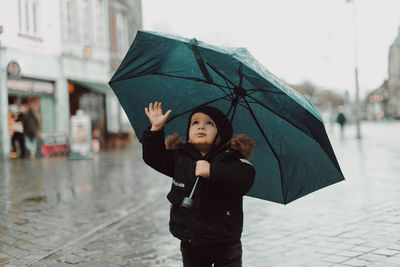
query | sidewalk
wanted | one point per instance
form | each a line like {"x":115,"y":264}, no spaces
{"x":352,"y":223}
{"x":112,"y":211}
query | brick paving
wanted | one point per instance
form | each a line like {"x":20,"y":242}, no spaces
{"x":112,"y":211}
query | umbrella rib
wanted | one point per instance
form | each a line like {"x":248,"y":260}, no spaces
{"x":185,"y":112}
{"x":280,"y":116}
{"x":196,"y":80}
{"x":229,"y":111}
{"x":242,"y":105}
{"x":200,"y":62}
{"x":188,"y":78}
{"x":227,"y":86}
{"x":180,"y":77}
{"x":233,"y":114}
{"x":270,"y":146}
{"x":240,"y":72}
{"x":221,"y":87}
{"x":219,"y":73}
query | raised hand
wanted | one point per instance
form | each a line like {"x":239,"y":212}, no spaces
{"x":155,"y":115}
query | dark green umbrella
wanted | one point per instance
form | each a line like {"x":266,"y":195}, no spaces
{"x":293,"y":156}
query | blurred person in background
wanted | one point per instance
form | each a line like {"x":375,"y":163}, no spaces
{"x":341,"y":120}
{"x":17,"y":140}
{"x":16,"y":129}
{"x":31,"y":125}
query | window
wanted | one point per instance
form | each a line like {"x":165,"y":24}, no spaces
{"x":99,"y":28}
{"x":122,"y":32}
{"x":68,"y":20}
{"x":84,"y":21}
{"x":27,"y":11}
{"x":77,"y":21}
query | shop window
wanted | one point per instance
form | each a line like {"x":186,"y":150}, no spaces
{"x":93,"y":105}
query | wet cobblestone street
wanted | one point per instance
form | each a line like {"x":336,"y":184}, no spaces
{"x":113,"y":211}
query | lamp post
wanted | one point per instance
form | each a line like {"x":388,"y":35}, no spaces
{"x":2,"y":123}
{"x":357,"y":96}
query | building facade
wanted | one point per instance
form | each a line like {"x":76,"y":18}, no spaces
{"x":377,"y":103}
{"x":58,"y":56}
{"x":394,"y":78}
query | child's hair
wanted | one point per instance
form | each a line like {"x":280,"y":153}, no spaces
{"x":173,"y":142}
{"x":242,"y":143}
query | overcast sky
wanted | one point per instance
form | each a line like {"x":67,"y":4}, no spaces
{"x":297,"y":40}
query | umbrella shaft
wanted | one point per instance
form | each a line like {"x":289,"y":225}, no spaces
{"x":194,"y":187}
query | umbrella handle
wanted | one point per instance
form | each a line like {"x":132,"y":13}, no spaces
{"x":187,"y":202}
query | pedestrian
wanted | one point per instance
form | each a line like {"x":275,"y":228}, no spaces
{"x":31,"y":128}
{"x":341,"y":119}
{"x":210,"y":232}
{"x":18,"y":136}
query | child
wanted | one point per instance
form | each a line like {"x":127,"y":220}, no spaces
{"x":210,"y":232}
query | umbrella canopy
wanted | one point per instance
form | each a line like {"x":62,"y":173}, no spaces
{"x":293,"y":156}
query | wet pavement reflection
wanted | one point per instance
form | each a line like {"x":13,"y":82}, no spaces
{"x":112,"y":211}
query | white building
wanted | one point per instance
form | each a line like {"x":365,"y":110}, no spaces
{"x":61,"y":54}
{"x":394,"y":77}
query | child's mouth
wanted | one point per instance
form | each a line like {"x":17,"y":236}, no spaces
{"x":200,"y":134}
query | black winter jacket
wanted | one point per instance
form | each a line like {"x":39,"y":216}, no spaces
{"x":217,"y":215}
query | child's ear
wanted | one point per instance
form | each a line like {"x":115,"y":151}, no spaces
{"x":189,"y":141}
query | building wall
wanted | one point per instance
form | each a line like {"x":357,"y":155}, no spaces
{"x":394,"y":79}
{"x":125,"y":20}
{"x":70,"y":40}
{"x":43,"y":40}
{"x":86,"y":57}
{"x":32,"y":40}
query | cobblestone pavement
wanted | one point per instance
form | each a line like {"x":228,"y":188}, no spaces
{"x":112,"y":211}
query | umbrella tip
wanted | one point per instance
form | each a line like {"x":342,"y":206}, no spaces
{"x":194,"y":41}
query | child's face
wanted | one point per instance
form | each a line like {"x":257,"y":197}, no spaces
{"x":202,"y":131}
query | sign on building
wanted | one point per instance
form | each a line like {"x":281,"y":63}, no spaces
{"x":81,"y":136}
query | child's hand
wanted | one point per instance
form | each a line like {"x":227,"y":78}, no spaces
{"x":157,"y":119}
{"x":203,"y":168}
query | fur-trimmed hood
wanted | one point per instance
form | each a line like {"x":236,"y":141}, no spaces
{"x":241,"y":142}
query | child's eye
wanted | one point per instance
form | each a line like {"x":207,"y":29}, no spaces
{"x":210,"y":123}
{"x":195,"y":122}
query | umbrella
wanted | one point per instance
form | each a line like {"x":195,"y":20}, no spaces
{"x":293,"y":156}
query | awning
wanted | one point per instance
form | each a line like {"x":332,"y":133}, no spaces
{"x":103,"y":88}
{"x":112,"y":105}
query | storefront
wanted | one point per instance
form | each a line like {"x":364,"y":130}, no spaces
{"x":92,"y":102}
{"x":26,"y":94}
{"x":25,"y":91}
{"x":99,"y":102}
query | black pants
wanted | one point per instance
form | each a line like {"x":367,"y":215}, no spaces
{"x":18,"y":138}
{"x":221,"y":255}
